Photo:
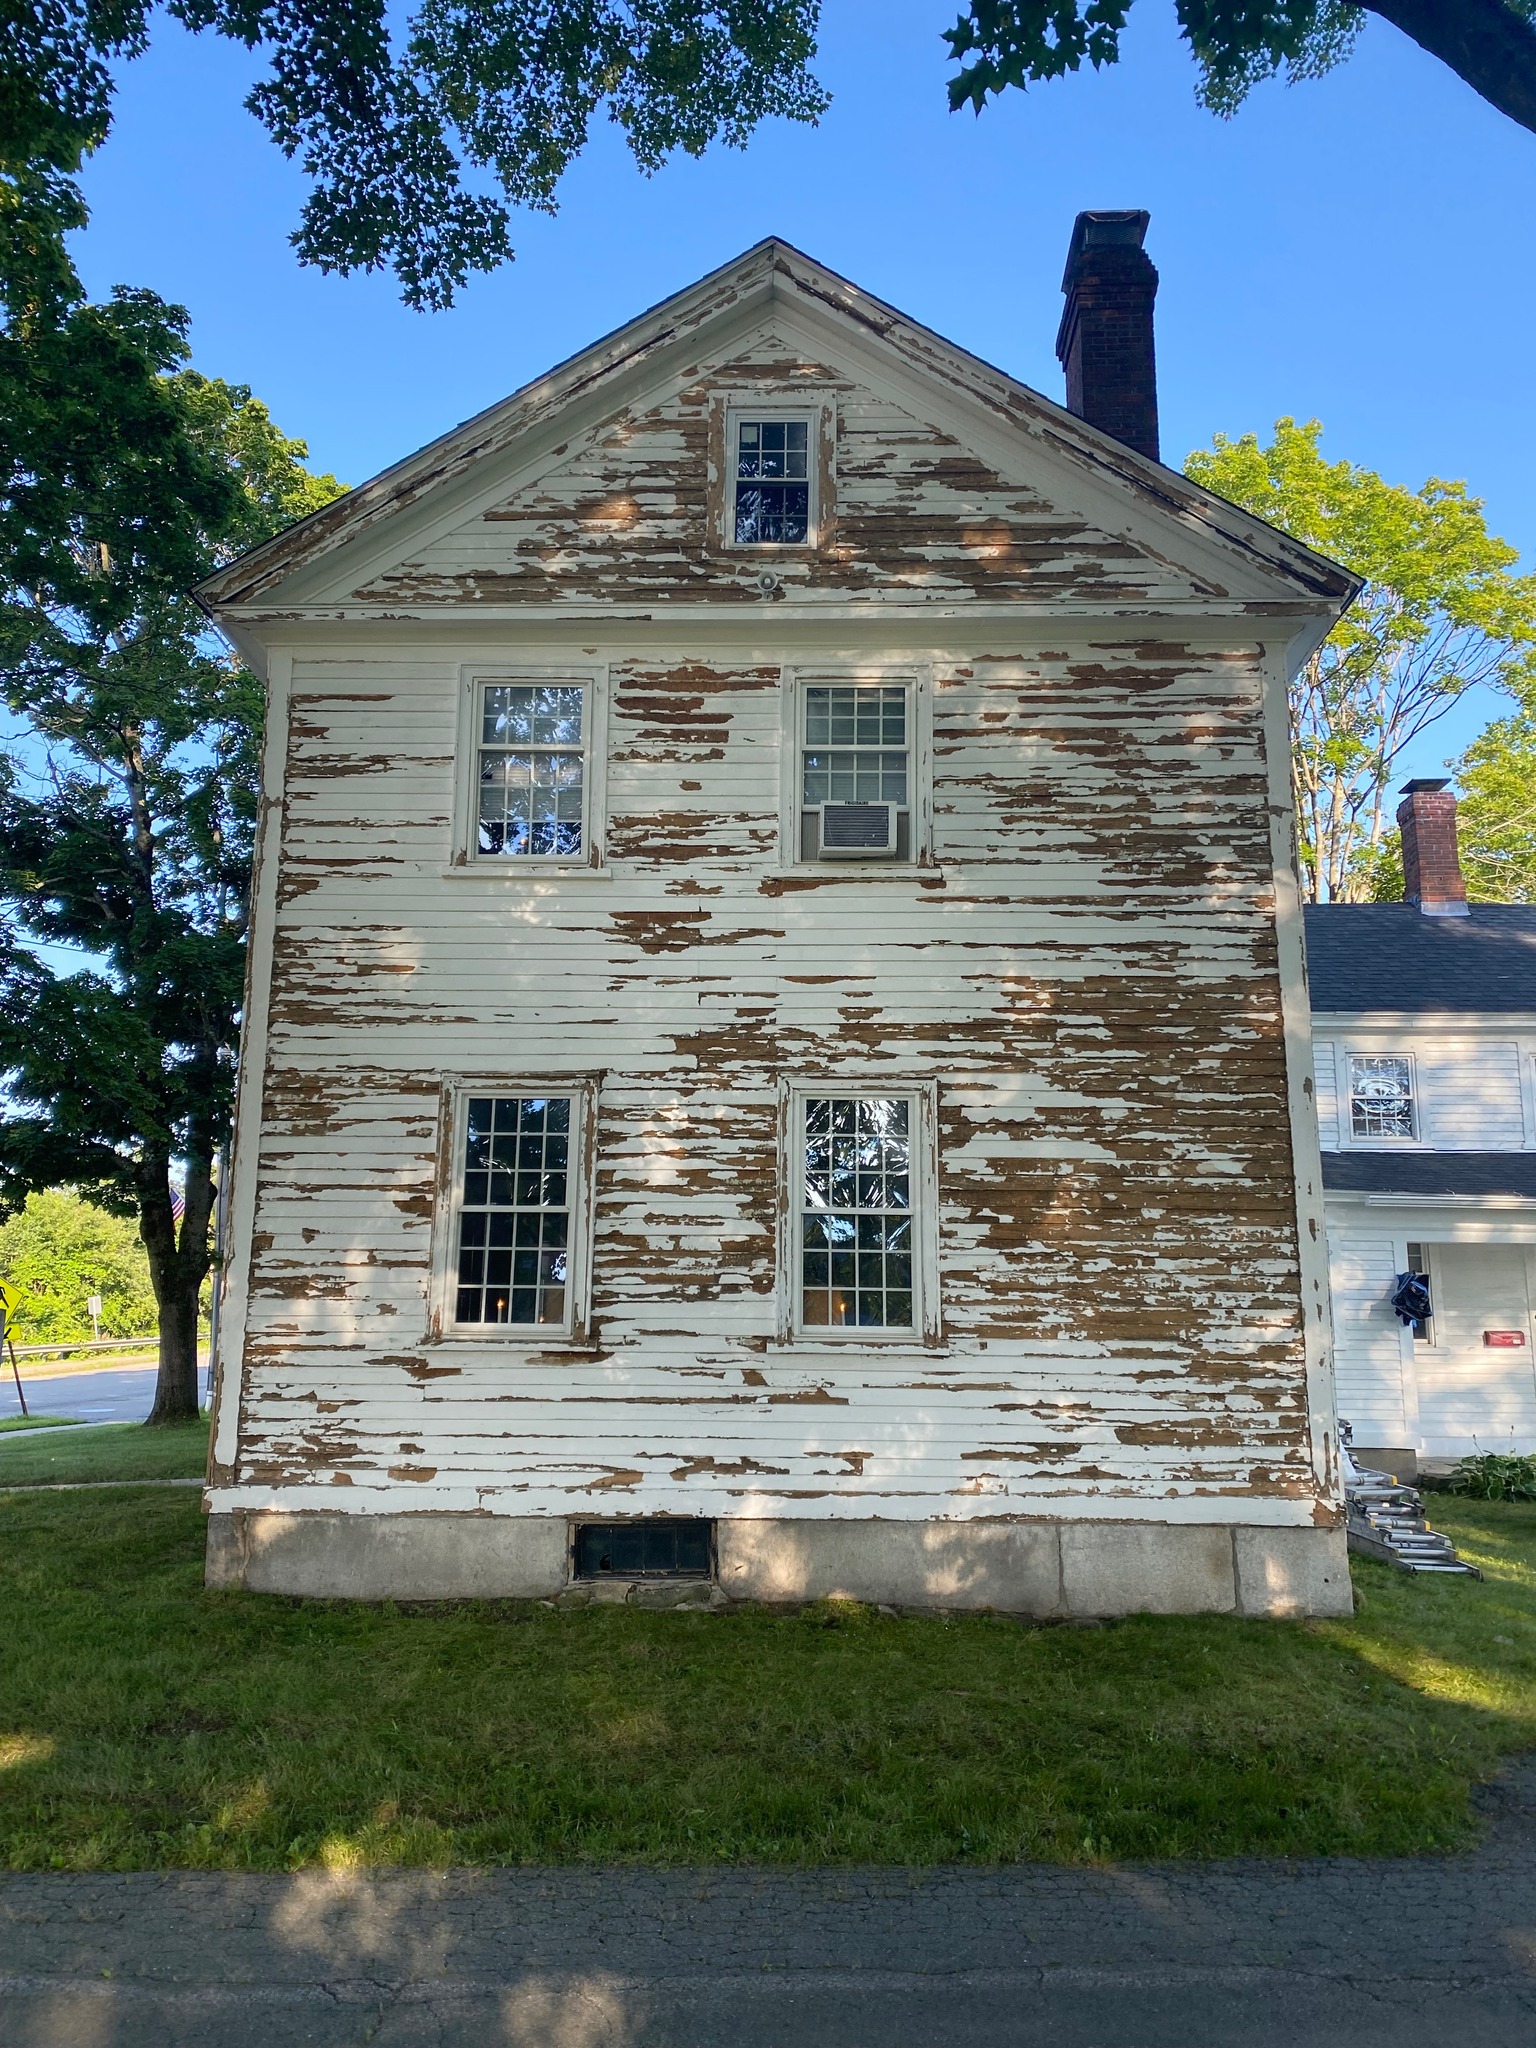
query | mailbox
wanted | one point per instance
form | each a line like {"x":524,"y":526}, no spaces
{"x":1507,"y":1338}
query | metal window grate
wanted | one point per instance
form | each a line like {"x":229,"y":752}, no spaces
{"x":645,"y":1550}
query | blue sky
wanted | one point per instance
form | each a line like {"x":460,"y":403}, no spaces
{"x":1358,"y":248}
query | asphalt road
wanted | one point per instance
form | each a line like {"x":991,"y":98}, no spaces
{"x":1341,"y":1954}
{"x":122,"y":1396}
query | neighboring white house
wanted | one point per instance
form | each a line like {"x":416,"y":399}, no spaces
{"x":777,"y":1039}
{"x":1424,"y":1022}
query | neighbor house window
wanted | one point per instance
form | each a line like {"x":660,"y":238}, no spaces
{"x":531,"y":771}
{"x":856,"y":1213}
{"x":1381,"y":1096}
{"x":1418,"y":1262}
{"x":856,"y":771}
{"x":514,"y":1210}
{"x":771,"y":472}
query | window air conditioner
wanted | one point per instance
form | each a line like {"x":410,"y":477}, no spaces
{"x":857,"y":831}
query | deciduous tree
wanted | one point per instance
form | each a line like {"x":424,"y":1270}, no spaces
{"x":1491,"y":44}
{"x":56,"y":1253}
{"x":419,"y":133}
{"x":1441,"y":610}
{"x":128,"y":785}
{"x":1496,"y":781}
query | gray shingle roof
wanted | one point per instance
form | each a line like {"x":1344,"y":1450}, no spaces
{"x":1430,"y":1173}
{"x":1389,"y":956}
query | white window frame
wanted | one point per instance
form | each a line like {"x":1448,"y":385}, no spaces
{"x":457,"y":1092}
{"x":919,"y":686}
{"x":922,"y":1096}
{"x":813,"y":418}
{"x":467,"y":859}
{"x":1348,"y":1141}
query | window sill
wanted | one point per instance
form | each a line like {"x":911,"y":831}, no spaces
{"x":483,"y":871}
{"x":858,"y":1340}
{"x":505,"y":1339}
{"x":863,"y":871}
{"x":1384,"y":1145}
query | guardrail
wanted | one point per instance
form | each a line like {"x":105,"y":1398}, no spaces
{"x":68,"y":1350}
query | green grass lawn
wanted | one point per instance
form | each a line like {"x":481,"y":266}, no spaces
{"x":116,"y":1450}
{"x":9,"y":1424}
{"x":147,"y":1722}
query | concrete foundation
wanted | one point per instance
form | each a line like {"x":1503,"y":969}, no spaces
{"x":1047,"y":1570}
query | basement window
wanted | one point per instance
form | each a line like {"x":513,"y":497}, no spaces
{"x":645,"y":1550}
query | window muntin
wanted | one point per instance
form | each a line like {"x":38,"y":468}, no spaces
{"x":856,"y":744}
{"x":856,"y":1249}
{"x":531,"y":771}
{"x":771,"y":474}
{"x":514,"y":1225}
{"x":1381,"y":1096}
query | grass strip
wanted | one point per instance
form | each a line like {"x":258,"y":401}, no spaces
{"x":118,"y":1450}
{"x":146,"y":1722}
{"x":11,"y":1424}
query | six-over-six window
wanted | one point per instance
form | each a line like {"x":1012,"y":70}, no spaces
{"x":514,"y":1211}
{"x":856,"y":1213}
{"x":771,"y":482}
{"x":531,"y":742}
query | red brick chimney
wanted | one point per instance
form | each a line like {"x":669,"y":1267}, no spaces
{"x":1104,"y":342}
{"x":1431,"y":860}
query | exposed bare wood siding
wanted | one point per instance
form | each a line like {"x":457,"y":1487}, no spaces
{"x":1088,"y":971}
{"x":631,"y":513}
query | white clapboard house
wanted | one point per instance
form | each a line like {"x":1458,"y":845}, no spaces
{"x":777,"y":1042}
{"x":1424,"y":1014}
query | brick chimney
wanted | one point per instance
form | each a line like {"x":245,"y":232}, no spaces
{"x":1431,"y":860}
{"x":1104,"y":342}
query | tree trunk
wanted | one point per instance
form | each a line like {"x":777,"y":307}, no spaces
{"x":176,"y":1390}
{"x":176,"y":1271}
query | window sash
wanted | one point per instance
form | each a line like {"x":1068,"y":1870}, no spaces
{"x":857,"y":744}
{"x":513,"y":1179}
{"x":770,"y":481}
{"x":856,"y":1212}
{"x":1381,"y":1096}
{"x":530,"y":798}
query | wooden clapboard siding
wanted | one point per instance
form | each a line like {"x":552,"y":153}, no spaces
{"x":1097,"y":967}
{"x":1089,"y":971}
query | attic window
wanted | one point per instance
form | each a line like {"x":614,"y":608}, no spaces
{"x":772,"y":482}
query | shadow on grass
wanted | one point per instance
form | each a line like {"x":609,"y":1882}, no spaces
{"x":151,"y":1723}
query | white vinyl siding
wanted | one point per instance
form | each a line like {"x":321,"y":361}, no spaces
{"x":1467,"y":1089}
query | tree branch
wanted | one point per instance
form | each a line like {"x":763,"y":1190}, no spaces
{"x":1483,"y":42}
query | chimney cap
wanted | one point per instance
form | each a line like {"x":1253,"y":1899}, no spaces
{"x":1425,"y":785}
{"x":1106,"y":228}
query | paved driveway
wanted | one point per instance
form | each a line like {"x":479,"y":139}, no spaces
{"x":1224,"y":1955}
{"x":122,"y":1396}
